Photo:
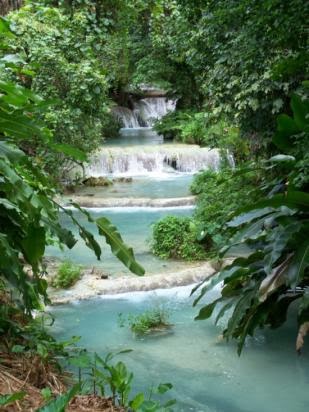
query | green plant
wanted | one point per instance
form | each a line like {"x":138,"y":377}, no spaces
{"x":219,"y":194}
{"x":108,"y":378}
{"x":29,"y":215}
{"x":176,"y":237}
{"x":60,"y":403}
{"x":259,"y":287}
{"x":149,"y":321}
{"x":67,"y":275}
{"x":10,"y":398}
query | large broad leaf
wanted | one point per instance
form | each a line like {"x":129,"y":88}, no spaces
{"x":248,"y":217}
{"x":118,"y":247}
{"x":85,"y":234}
{"x":300,"y":109}
{"x":281,"y":158}
{"x":11,"y":152}
{"x":286,"y":127}
{"x":207,"y":310}
{"x":61,"y":402}
{"x":34,"y":244}
{"x":298,"y":265}
{"x":18,"y":126}
{"x":229,"y":272}
{"x":273,"y":281}
{"x":292,"y":199}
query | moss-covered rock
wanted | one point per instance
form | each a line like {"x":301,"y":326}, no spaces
{"x":97,"y":181}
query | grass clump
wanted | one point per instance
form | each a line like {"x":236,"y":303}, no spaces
{"x":152,"y":320}
{"x":67,"y":275}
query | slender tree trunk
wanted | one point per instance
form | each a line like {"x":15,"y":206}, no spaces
{"x":8,"y":5}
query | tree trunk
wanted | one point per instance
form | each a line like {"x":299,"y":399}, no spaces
{"x":8,"y":5}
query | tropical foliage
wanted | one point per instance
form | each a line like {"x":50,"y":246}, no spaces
{"x":272,"y":273}
{"x":29,"y":221}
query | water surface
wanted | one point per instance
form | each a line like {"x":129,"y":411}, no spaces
{"x":135,"y":225}
{"x":207,"y":374}
{"x":156,"y":188}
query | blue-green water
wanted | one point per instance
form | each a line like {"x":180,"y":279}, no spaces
{"x":134,"y":224}
{"x":207,"y":375}
{"x":141,"y":136}
{"x":169,"y":187}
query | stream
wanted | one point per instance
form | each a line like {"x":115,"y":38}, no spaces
{"x":206,"y":373}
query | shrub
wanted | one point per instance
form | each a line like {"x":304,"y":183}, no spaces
{"x":68,"y":274}
{"x":219,"y":195}
{"x":147,"y":322}
{"x":205,"y":129}
{"x":175,"y":237}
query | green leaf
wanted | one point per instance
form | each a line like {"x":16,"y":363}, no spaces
{"x":231,"y":271}
{"x":10,"y":398}
{"x":292,"y":199}
{"x":81,"y":361}
{"x":137,"y":401}
{"x":69,"y":151}
{"x":11,"y":152}
{"x":118,"y":247}
{"x":286,"y":127}
{"x":164,"y":387}
{"x":282,"y":158}
{"x":207,"y":310}
{"x":5,"y":27}
{"x":248,"y":217}
{"x":34,"y":244}
{"x":61,"y":402}
{"x":300,"y":110}
{"x":298,"y":265}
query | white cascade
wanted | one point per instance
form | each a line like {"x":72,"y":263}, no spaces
{"x":126,"y":116}
{"x":152,"y":160}
{"x":145,"y":113}
{"x":150,"y":109}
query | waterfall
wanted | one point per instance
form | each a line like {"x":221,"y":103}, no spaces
{"x":126,"y":116}
{"x":153,"y":160}
{"x":146,"y":111}
{"x":150,"y":109}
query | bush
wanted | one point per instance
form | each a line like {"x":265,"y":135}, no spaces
{"x":205,"y":129}
{"x":67,"y":275}
{"x":175,"y":237}
{"x":219,"y":195}
{"x":146,"y":322}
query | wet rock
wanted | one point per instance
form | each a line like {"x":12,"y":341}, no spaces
{"x":123,"y":180}
{"x":97,"y":181}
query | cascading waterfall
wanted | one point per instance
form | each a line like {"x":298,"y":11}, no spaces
{"x":146,"y":111}
{"x":126,"y":116}
{"x":153,"y":160}
{"x":150,"y":109}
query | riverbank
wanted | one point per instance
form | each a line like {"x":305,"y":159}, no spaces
{"x":96,"y":202}
{"x":94,"y":284}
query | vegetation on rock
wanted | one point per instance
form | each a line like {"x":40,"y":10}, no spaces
{"x":67,"y":275}
{"x":152,"y":320}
